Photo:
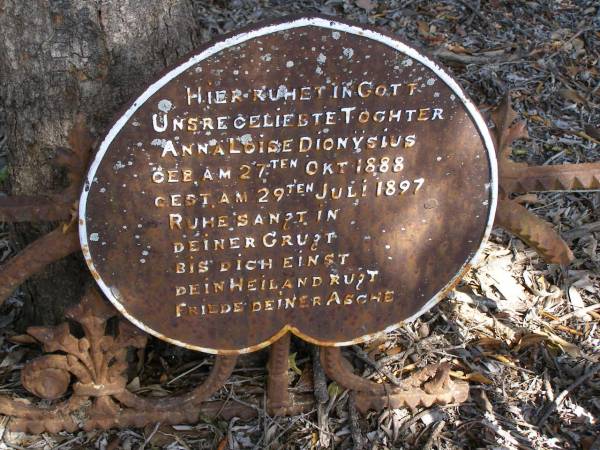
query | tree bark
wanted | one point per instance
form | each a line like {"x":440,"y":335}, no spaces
{"x":59,"y":58}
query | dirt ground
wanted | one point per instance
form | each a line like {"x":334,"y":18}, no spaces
{"x":513,"y":328}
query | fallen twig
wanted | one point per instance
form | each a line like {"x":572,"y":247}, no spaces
{"x":577,"y":312}
{"x":561,"y":397}
{"x":437,"y":429}
{"x":357,"y":440}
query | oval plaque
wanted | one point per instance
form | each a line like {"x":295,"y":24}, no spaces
{"x":308,"y":175}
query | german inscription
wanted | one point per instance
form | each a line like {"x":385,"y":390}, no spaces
{"x":307,"y":175}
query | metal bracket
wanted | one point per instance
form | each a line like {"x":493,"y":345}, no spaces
{"x":97,"y":364}
{"x":94,"y":366}
{"x":518,"y":178}
{"x":430,"y":385}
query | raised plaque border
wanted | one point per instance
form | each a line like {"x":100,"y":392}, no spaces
{"x":236,"y":38}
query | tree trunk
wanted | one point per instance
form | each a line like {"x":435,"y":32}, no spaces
{"x":59,"y":58}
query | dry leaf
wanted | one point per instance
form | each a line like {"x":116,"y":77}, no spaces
{"x":222,"y":444}
{"x":489,"y":342}
{"x":431,"y":416}
{"x":567,"y":347}
{"x":571,"y":95}
{"x":577,"y":43}
{"x":583,"y":280}
{"x":12,"y":358}
{"x":459,"y":49}
{"x":314,"y":437}
{"x":578,"y":303}
{"x":393,"y":351}
{"x":592,"y":131}
{"x":477,"y":318}
{"x":134,"y":385}
{"x":475,"y":377}
{"x":375,"y":346}
{"x":506,"y":131}
{"x":535,"y":338}
{"x":527,"y":198}
{"x":530,"y":339}
{"x":503,"y":359}
{"x":423,"y":28}
{"x":22,"y":339}
{"x":499,"y":276}
{"x":367,"y":5}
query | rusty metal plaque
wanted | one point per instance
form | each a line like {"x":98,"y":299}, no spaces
{"x":307,"y":175}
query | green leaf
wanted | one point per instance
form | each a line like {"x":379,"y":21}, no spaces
{"x":292,"y":363}
{"x":334,"y":389}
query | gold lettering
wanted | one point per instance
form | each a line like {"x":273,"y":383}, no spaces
{"x":423,"y":114}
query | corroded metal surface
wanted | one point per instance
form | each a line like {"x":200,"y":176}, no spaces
{"x":307,"y":176}
{"x":59,"y":206}
{"x":533,"y":231}
{"x":32,"y":209}
{"x":63,"y":240}
{"x":49,"y":248}
{"x":94,"y":365}
{"x":278,"y":397}
{"x":520,"y":178}
{"x":428,"y":386}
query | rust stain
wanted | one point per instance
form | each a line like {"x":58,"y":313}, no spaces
{"x":428,"y":386}
{"x":521,"y":178}
{"x":62,"y":241}
{"x":97,"y":362}
{"x":303,"y":121}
